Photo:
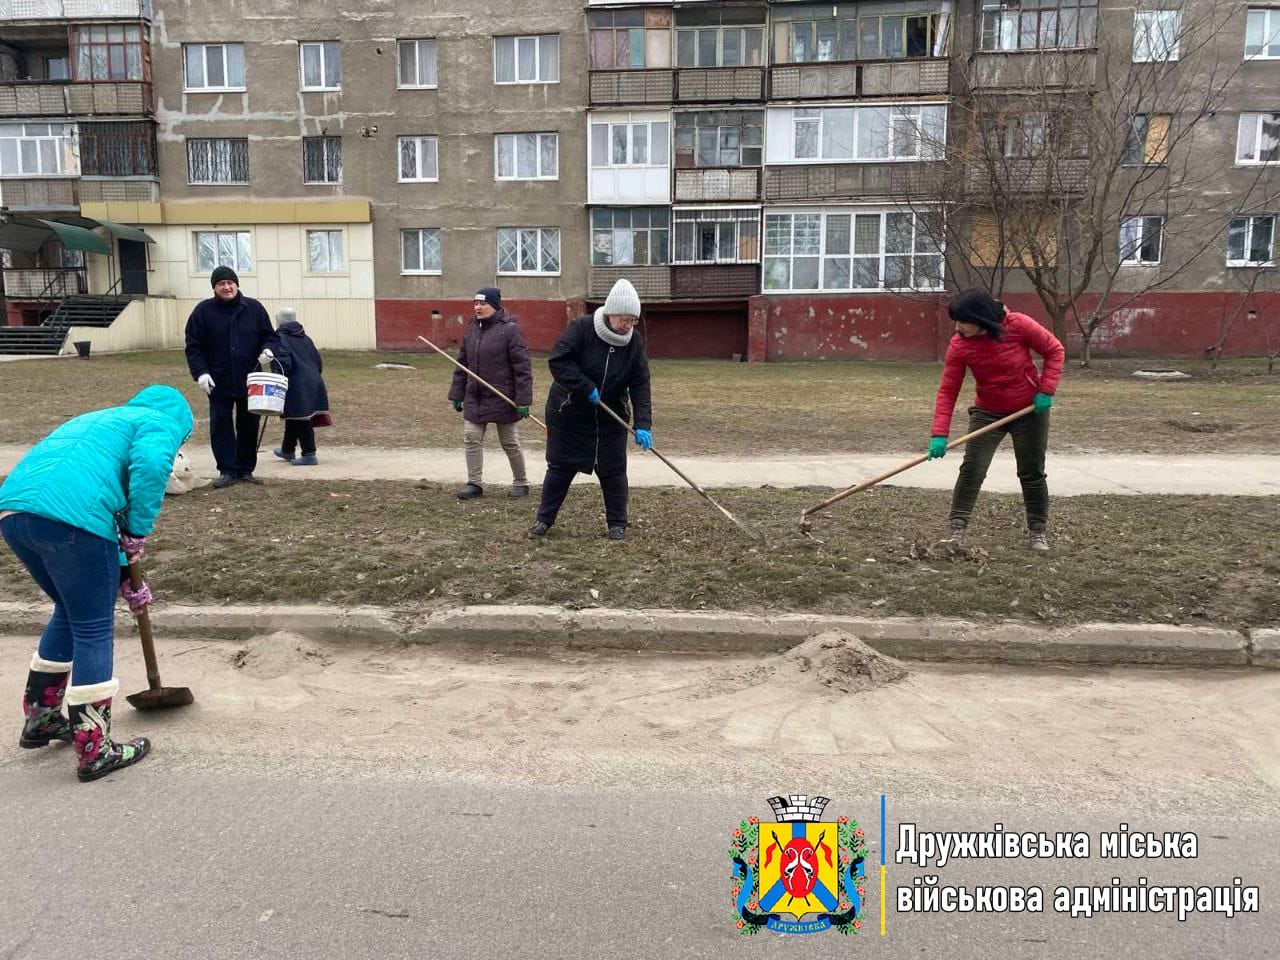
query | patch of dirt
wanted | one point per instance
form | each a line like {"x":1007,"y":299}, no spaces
{"x":1201,"y":426}
{"x":952,"y":551}
{"x":840,"y":660}
{"x":267,"y":656}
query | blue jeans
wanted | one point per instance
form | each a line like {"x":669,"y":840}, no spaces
{"x":80,"y":572}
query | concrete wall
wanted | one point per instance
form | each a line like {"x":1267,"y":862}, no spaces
{"x":155,"y":323}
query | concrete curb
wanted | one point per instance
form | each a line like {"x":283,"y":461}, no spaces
{"x":539,"y":627}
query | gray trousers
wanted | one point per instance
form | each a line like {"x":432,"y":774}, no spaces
{"x":508,"y":437}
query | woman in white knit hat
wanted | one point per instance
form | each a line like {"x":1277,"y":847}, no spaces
{"x":598,"y":359}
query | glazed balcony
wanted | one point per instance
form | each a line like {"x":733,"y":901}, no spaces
{"x":618,"y":87}
{"x":874,"y":78}
{"x":717,"y":185}
{"x":56,"y":98}
{"x":719,"y":85}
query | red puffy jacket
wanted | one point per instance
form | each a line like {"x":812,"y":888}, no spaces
{"x":1006,"y":376}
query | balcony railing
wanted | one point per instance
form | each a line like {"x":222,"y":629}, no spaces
{"x":715,"y":281}
{"x":75,"y":9}
{"x":40,"y":98}
{"x":632,"y":86}
{"x":41,"y":283}
{"x":719,"y":84}
{"x":1036,"y":70}
{"x":835,"y":181}
{"x":652,"y":283}
{"x":1045,"y":176}
{"x":38,"y":193}
{"x":717,"y":185}
{"x":875,"y":78}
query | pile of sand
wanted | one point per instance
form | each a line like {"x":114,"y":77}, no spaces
{"x":840,"y":660}
{"x":274,"y":655}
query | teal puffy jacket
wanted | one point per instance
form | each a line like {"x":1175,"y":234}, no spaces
{"x":104,"y":472}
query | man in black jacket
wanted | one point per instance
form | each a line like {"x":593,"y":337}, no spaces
{"x":226,"y":335}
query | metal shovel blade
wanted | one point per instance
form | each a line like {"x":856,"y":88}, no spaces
{"x":161,"y":698}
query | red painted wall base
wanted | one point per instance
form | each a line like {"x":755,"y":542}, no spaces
{"x":399,"y":323}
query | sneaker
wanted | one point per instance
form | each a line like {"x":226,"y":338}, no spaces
{"x":1039,"y":542}
{"x":225,"y":480}
{"x":518,"y":490}
{"x":539,"y":529}
{"x":250,"y":478}
{"x":306,"y":460}
{"x":286,"y":457}
{"x":470,"y":492}
{"x":617,"y":533}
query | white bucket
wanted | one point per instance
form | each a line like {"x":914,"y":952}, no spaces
{"x":266,"y":394}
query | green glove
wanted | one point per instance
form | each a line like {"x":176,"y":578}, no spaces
{"x":937,"y":447}
{"x":457,"y":405}
{"x":1042,"y":402}
{"x":523,"y":411}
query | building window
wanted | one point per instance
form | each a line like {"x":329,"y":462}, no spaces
{"x":417,"y":64}
{"x":218,"y":161}
{"x":858,"y":134}
{"x":723,"y":46}
{"x":38,"y":150}
{"x":883,"y":31}
{"x":1024,"y":136}
{"x":1141,"y":239}
{"x":1155,"y":35}
{"x":324,"y":252}
{"x":118,"y":149}
{"x":525,"y":156}
{"x":107,"y":53}
{"x":639,"y":237}
{"x":1262,"y":35}
{"x":850,"y":250}
{"x":57,"y":68}
{"x":1251,"y":241}
{"x":419,"y":161}
{"x":629,"y":39}
{"x":526,"y":59}
{"x":1258,"y":140}
{"x":322,"y":159}
{"x":529,"y":250}
{"x":626,"y":144}
{"x":1039,"y":24}
{"x":717,"y":235}
{"x":321,"y":65}
{"x":214,"y":67}
{"x":1148,"y":141}
{"x":420,"y":251}
{"x":223,"y":249}
{"x":719,"y":138}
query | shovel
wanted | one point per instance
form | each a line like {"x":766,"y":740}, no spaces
{"x":156,"y":696}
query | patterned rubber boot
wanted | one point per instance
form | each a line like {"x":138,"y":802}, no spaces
{"x":42,"y":704}
{"x":90,"y":711}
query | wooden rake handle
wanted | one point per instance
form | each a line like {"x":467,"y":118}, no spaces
{"x":480,"y":380}
{"x":959,"y":441}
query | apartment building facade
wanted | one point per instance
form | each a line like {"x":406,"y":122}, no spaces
{"x":760,"y":170}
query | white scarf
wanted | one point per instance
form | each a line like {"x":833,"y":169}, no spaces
{"x":608,"y":334}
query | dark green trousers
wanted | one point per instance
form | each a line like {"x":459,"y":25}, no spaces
{"x":1030,"y":441}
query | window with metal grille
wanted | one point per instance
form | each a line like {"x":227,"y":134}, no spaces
{"x":420,"y":251}
{"x":321,"y":65}
{"x":526,"y":59}
{"x":851,"y":250}
{"x":1251,"y":241}
{"x":102,"y":52}
{"x":417,"y":63}
{"x":531,"y":250}
{"x":125,"y":149}
{"x":1039,"y":24}
{"x":629,"y":39}
{"x":214,"y":66}
{"x":716,"y":235}
{"x":419,"y":159}
{"x":1141,"y":240}
{"x":218,"y":160}
{"x":223,"y":248}
{"x":719,"y":138}
{"x":630,"y":237}
{"x":322,"y":159}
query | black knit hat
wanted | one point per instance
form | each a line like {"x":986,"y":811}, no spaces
{"x":978,"y":306}
{"x":223,"y":273}
{"x":490,"y":295}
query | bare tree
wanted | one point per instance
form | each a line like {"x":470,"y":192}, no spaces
{"x":1092,"y":177}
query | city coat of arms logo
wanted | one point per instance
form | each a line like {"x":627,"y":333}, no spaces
{"x":798,"y":873}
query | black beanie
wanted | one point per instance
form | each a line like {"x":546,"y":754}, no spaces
{"x":490,"y":295}
{"x":978,"y":306}
{"x":223,"y":273}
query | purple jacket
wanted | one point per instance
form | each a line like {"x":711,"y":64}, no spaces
{"x":494,"y":349}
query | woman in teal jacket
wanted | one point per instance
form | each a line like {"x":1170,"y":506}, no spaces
{"x":74,"y":510}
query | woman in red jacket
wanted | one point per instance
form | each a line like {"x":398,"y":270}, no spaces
{"x":997,"y":345}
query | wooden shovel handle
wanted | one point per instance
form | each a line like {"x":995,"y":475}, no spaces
{"x":144,"y":630}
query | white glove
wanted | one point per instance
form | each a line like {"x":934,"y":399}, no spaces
{"x":206,"y":383}
{"x":266,"y":356}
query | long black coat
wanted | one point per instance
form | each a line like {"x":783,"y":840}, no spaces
{"x":495,"y":349}
{"x":580,"y":436}
{"x":299,"y":360}
{"x":224,"y":341}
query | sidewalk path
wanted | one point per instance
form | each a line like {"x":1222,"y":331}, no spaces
{"x":1069,"y":474}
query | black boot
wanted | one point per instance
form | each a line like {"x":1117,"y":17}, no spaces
{"x":470,"y":492}
{"x":90,"y":710}
{"x":224,"y":480}
{"x":42,"y":704}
